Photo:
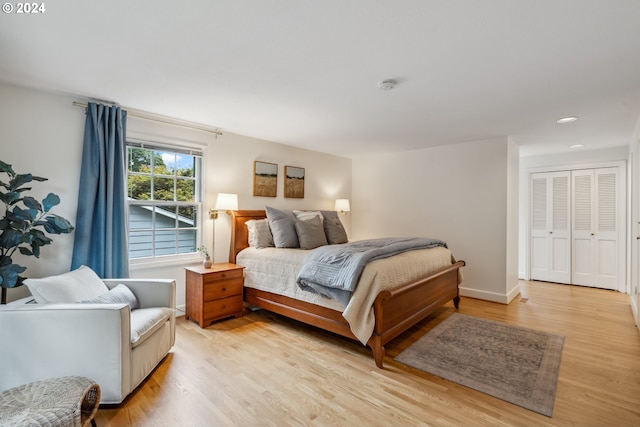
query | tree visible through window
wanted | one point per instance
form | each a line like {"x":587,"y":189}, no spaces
{"x":164,"y":201}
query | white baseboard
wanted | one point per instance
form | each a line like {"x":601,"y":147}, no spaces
{"x":490,"y":296}
{"x":180,"y":310}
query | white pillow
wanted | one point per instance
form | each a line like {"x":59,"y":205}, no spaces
{"x":307,"y":215}
{"x":77,"y":285}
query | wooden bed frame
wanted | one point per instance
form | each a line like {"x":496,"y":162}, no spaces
{"x":395,"y":310}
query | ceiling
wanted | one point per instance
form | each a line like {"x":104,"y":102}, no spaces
{"x":306,"y":73}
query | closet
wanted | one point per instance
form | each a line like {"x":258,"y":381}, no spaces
{"x":577,"y":227}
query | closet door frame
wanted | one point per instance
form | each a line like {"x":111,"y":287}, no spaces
{"x":623,"y":280}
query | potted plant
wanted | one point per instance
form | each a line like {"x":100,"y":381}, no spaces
{"x":207,"y":259}
{"x":24,"y":225}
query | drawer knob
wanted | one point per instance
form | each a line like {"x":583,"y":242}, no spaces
{"x":224,"y":289}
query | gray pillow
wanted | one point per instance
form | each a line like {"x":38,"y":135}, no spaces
{"x":333,"y":228}
{"x":118,"y":294}
{"x":283,"y":228}
{"x":311,"y":233}
{"x":259,"y":233}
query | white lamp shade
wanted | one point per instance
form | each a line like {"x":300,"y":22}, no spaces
{"x":342,"y":205}
{"x":227,"y":202}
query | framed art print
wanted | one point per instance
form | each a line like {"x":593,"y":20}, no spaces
{"x":265,"y":179}
{"x":294,"y":182}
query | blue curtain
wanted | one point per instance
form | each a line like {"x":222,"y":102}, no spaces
{"x":101,"y":221}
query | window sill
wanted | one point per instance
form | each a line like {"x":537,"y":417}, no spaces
{"x":166,"y":261}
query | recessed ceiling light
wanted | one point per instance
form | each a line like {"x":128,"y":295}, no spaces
{"x":576,"y":145}
{"x":567,"y":120}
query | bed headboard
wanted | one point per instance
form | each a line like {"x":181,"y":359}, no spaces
{"x":239,"y":232}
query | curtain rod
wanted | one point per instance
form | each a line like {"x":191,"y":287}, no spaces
{"x":156,"y":118}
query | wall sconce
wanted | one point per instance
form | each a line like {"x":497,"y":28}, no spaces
{"x":342,"y":206}
{"x":224,"y":202}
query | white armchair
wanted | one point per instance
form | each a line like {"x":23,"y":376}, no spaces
{"x":109,"y":343}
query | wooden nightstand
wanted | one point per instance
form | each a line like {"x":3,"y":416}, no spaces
{"x":214,"y":293}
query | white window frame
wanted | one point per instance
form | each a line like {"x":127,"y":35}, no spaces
{"x":171,"y":259}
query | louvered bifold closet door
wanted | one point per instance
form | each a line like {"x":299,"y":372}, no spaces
{"x":550,"y":227}
{"x":595,"y":228}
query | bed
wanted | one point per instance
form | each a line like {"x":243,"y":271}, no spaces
{"x":394,"y":310}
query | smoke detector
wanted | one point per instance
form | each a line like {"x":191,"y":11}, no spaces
{"x":387,"y":84}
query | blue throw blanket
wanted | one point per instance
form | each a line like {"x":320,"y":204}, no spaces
{"x":334,"y":270}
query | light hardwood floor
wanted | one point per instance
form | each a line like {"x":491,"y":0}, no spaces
{"x":264,"y":370}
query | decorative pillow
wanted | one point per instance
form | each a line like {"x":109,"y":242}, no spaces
{"x":311,"y":233}
{"x":259,"y":233}
{"x":305,"y":215}
{"x":118,"y":294}
{"x":74,"y":286}
{"x":333,"y":228}
{"x":283,"y":228}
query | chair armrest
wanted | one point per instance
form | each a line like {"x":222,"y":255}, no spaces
{"x":49,"y":340}
{"x":149,"y":292}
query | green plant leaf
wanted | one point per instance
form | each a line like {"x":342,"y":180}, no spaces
{"x":57,"y":224}
{"x":15,"y":222}
{"x":10,"y":238}
{"x":19,"y":180}
{"x":32,"y":203}
{"x":25,"y":251}
{"x":50,"y":201}
{"x":24,"y":214}
{"x":10,"y":197}
{"x":9,"y":275}
{"x":5,"y":167}
{"x":38,"y":238}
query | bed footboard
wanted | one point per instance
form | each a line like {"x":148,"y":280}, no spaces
{"x":398,"y":309}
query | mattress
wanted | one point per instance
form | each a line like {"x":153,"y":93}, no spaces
{"x":275,"y":270}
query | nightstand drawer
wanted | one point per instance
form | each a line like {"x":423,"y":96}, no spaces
{"x":222,"y":275}
{"x":222,"y":289}
{"x":222,"y":307}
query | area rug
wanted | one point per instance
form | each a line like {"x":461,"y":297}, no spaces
{"x":512,"y":363}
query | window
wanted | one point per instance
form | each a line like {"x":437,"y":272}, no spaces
{"x":165,"y":200}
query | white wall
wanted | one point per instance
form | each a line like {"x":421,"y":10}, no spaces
{"x":42,"y":134}
{"x":527,"y":164}
{"x":230,"y":161}
{"x":458,"y":193}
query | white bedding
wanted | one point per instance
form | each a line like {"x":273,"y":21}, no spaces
{"x":275,"y":270}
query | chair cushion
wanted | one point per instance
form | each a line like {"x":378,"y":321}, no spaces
{"x":145,"y":321}
{"x":75,"y":286}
